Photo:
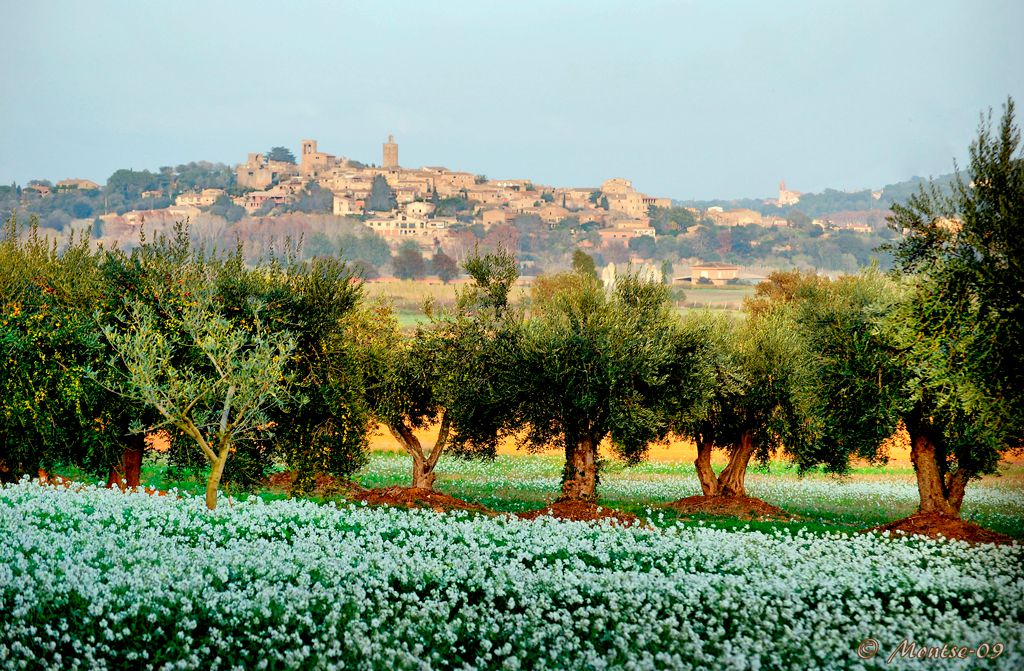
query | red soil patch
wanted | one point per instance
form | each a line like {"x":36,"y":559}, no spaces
{"x":60,"y":481}
{"x":742,"y":507}
{"x":935,"y":526}
{"x":325,"y":485}
{"x":581,"y":511}
{"x":415,"y":497}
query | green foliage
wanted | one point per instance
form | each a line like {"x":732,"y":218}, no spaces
{"x":667,"y":273}
{"x":452,"y":206}
{"x":672,"y":220}
{"x":320,"y":426}
{"x":227,"y":209}
{"x":450,"y":370}
{"x":199,"y":175}
{"x":444,"y":266}
{"x":596,"y":364}
{"x":583,"y":263}
{"x":382,"y":196}
{"x":871,"y":365}
{"x":209,"y":377}
{"x":323,"y":426}
{"x":965,"y":249}
{"x":754,"y":373}
{"x":318,"y":244}
{"x":131,"y":183}
{"x":855,"y":391}
{"x":644,"y":246}
{"x":493,"y":274}
{"x":781,"y":287}
{"x":283,"y":154}
{"x":408,"y":262}
{"x":314,"y":200}
{"x":368,"y":250}
{"x":52,"y":412}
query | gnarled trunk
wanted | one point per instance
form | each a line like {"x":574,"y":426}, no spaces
{"x":956,"y":486}
{"x":423,"y":464}
{"x":128,"y":473}
{"x":732,"y":480}
{"x":422,"y":473}
{"x":706,"y":475}
{"x":579,"y":482}
{"x":937,"y":494}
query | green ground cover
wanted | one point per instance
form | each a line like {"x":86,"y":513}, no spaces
{"x":868,"y":496}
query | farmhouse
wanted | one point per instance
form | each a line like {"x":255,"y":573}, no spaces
{"x":717,"y":273}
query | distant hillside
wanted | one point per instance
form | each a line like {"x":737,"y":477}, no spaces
{"x":830,"y":200}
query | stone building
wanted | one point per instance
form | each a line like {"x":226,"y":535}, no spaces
{"x":714,"y":272}
{"x":622,"y":197}
{"x":787,"y":197}
{"x":204,"y":198}
{"x":495,"y":216}
{"x":313,"y":163}
{"x":80,"y":184}
{"x":738,"y":217}
{"x":401,"y":224}
{"x":345,"y":205}
{"x":258,"y":172}
{"x":552,"y":214}
{"x":390,"y":153}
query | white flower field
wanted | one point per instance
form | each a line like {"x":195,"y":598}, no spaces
{"x":95,"y":579}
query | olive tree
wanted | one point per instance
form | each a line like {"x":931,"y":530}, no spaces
{"x":752,"y":407}
{"x":872,"y":368}
{"x":447,"y":372}
{"x":207,"y":377}
{"x":322,"y":427}
{"x":962,"y":325}
{"x":856,"y":389}
{"x":51,"y":412}
{"x":595,"y":364}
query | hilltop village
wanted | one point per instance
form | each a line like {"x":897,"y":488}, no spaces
{"x":412,"y":210}
{"x":369,"y":212}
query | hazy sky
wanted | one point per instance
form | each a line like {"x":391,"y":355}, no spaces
{"x":687,"y":99}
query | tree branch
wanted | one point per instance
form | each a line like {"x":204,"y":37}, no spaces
{"x":441,"y":442}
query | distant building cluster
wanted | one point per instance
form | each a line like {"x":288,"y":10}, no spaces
{"x":427,"y":203}
{"x":615,"y":208}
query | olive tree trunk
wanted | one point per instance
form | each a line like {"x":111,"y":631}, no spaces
{"x":939,"y":493}
{"x":706,"y":475}
{"x":128,"y":473}
{"x":216,"y":458}
{"x":216,"y":471}
{"x":579,"y":482}
{"x":423,"y":463}
{"x":423,"y":475}
{"x":732,"y":480}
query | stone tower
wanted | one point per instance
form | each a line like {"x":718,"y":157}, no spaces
{"x":390,"y":153}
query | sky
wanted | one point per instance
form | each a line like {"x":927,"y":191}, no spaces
{"x":690,"y":100}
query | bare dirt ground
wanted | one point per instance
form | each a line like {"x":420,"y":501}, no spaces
{"x":412,"y":497}
{"x":742,"y":507}
{"x":936,"y":526}
{"x":581,"y":511}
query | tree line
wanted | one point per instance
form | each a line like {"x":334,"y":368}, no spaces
{"x":286,"y":362}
